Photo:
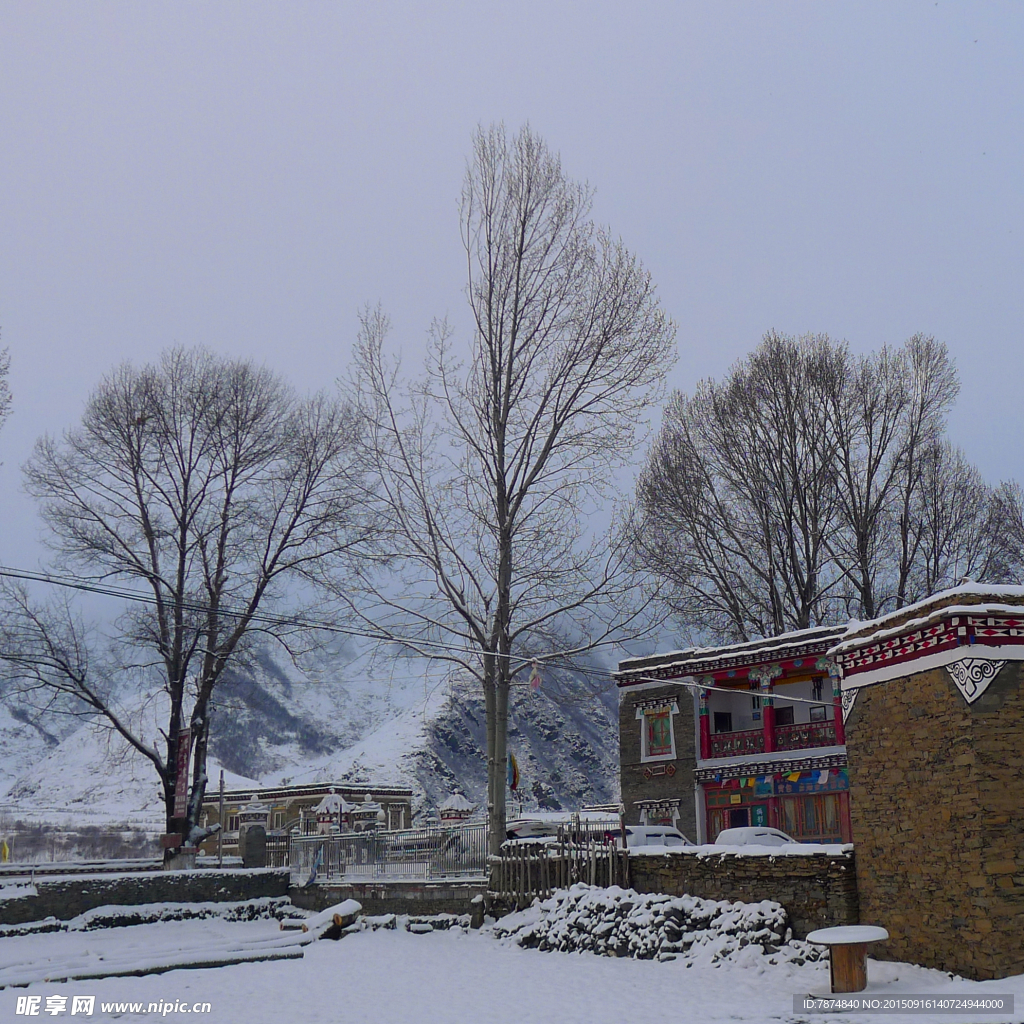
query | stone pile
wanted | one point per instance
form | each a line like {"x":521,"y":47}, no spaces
{"x":644,"y":926}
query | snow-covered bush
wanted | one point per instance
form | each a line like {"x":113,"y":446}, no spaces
{"x":645,"y":926}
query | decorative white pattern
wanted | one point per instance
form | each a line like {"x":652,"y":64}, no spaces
{"x":972,"y":676}
{"x":849,"y":696}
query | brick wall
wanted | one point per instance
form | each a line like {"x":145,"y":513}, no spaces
{"x":938,"y":820}
{"x":818,"y":890}
{"x":67,"y":897}
{"x":670,"y":786}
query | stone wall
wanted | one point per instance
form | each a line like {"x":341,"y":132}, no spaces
{"x":938,"y":819}
{"x":818,"y":890}
{"x":69,"y":896}
{"x":668,"y":780}
{"x":395,"y":898}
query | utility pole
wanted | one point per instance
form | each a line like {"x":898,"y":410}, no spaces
{"x":220,"y":818}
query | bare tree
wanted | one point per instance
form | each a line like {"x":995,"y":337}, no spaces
{"x":5,"y":391}
{"x":933,"y":387}
{"x":956,"y":526}
{"x":492,"y":469}
{"x":738,"y":497}
{"x":810,"y":484}
{"x":207,"y":482}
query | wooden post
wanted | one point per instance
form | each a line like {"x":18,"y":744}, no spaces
{"x":837,"y":706}
{"x":848,"y":967}
{"x":705,"y":728}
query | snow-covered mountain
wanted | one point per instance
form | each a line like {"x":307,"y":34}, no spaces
{"x":342,"y":715}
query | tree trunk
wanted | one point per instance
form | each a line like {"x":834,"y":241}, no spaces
{"x":497,"y":818}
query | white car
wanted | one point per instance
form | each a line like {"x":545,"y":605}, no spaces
{"x":753,"y":835}
{"x":654,"y":835}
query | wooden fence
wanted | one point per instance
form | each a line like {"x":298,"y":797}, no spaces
{"x":524,"y":871}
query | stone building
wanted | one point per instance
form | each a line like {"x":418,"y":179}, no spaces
{"x":934,"y":702}
{"x":745,"y":734}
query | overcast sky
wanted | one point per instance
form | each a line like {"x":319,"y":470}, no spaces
{"x":247,"y":176}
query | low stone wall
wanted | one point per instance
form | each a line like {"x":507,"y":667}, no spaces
{"x":818,"y":890}
{"x":67,"y":897}
{"x":394,"y":898}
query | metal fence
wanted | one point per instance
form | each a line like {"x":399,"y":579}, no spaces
{"x":427,"y":854}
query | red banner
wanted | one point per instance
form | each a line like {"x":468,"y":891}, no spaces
{"x":181,"y":779}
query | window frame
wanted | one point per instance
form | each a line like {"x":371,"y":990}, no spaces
{"x":647,"y":710}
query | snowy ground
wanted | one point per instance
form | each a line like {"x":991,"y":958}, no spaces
{"x":395,"y":977}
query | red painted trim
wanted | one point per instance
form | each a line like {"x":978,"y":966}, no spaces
{"x":768,"y":724}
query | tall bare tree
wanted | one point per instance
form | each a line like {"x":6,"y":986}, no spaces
{"x":212,"y":486}
{"x":809,"y":484}
{"x":492,"y":468}
{"x":738,"y":495}
{"x":956,"y":524}
{"x":5,"y":391}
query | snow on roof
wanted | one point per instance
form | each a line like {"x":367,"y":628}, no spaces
{"x":457,"y":802}
{"x":333,"y":803}
{"x":987,"y":597}
{"x":751,"y":652}
{"x":967,"y":598}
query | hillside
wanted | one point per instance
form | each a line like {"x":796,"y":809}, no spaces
{"x":342,"y":715}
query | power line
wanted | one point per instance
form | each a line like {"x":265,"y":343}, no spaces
{"x":557,"y":658}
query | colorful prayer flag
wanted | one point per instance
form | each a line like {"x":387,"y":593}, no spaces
{"x":513,"y":772}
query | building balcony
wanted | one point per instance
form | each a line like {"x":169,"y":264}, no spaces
{"x":804,"y":735}
{"x":732,"y":744}
{"x":786,"y":737}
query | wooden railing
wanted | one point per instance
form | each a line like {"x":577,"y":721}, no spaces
{"x":787,"y":737}
{"x":804,"y":735}
{"x":731,"y":744}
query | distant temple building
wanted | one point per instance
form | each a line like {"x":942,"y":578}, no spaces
{"x":310,"y":808}
{"x":456,"y":809}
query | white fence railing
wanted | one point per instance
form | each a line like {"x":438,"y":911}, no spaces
{"x":426,"y":854}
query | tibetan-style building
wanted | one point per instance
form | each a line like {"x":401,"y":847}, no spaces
{"x":904,"y":735}
{"x":310,"y":808}
{"x":934,"y":697}
{"x":746,"y":734}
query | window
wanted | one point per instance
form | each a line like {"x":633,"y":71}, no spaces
{"x":657,"y":739}
{"x":659,"y":733}
{"x":819,"y":714}
{"x":723,"y":721}
{"x":755,"y":700}
{"x":232,"y":823}
{"x":784,"y":716}
{"x":817,"y":687}
{"x":278,"y":819}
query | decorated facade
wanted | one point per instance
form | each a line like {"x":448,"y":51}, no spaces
{"x":309,"y":808}
{"x":934,"y":696}
{"x":745,"y":734}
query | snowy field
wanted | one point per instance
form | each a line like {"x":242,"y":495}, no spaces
{"x":446,"y":976}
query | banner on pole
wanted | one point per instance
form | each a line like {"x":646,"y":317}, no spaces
{"x":181,"y":767}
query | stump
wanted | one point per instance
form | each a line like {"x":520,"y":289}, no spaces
{"x":848,"y":954}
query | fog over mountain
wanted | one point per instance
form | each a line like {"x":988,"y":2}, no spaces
{"x":344,"y":716}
